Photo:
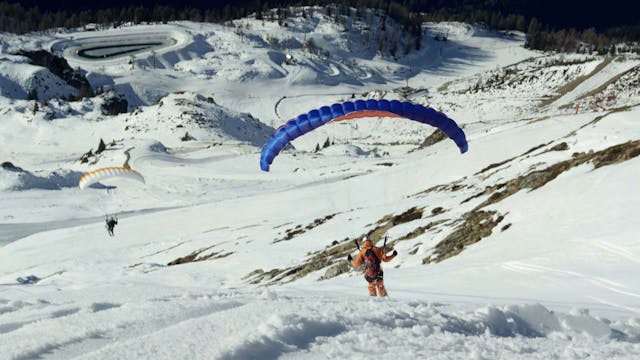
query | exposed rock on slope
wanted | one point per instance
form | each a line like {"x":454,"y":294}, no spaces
{"x":333,"y":256}
{"x":114,"y":104}
{"x":59,"y":67}
{"x":476,"y":226}
{"x":539,"y":178}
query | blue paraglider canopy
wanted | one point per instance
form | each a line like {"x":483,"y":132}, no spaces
{"x":306,"y":122}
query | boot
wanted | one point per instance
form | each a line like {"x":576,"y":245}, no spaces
{"x":372,"y":289}
{"x":380,"y":286}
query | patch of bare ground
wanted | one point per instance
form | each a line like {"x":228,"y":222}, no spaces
{"x":605,"y":85}
{"x":563,"y":146}
{"x":444,"y":87}
{"x":164,"y":250}
{"x":477,"y":225}
{"x":573,"y":84}
{"x":598,"y":118}
{"x":558,"y":147}
{"x":453,"y":186}
{"x":291,"y":233}
{"x":495,"y":165}
{"x":498,"y":164}
{"x":471,"y":228}
{"x":539,"y":178}
{"x":538,"y":119}
{"x":435,"y":137}
{"x":333,"y":257}
{"x":195,"y":256}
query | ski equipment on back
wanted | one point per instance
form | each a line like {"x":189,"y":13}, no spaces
{"x":371,"y":265}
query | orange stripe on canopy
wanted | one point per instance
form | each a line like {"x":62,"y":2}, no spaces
{"x":365,"y":113}
{"x":97,"y":171}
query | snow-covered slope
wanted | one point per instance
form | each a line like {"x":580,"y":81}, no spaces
{"x":524,"y":247}
{"x":18,"y":80}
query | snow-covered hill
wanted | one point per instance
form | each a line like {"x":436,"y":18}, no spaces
{"x":19,"y":80}
{"x":524,"y":247}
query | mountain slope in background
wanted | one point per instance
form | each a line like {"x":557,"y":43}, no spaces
{"x":523,"y":247}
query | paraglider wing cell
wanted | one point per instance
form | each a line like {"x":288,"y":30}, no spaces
{"x":97,"y":175}
{"x":354,"y":110}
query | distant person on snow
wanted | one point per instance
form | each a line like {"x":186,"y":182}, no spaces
{"x":369,"y":258}
{"x":111,"y":223}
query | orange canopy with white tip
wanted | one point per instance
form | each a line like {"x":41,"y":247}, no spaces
{"x":97,"y":175}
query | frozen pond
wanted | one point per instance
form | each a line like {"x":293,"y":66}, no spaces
{"x":100,"y":48}
{"x":114,"y":50}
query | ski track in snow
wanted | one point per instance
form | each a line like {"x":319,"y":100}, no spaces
{"x":617,"y":250}
{"x":552,"y":275}
{"x":99,"y":328}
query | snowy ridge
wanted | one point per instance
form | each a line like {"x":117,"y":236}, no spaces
{"x":199,"y":116}
{"x":521,"y":248}
{"x":19,"y":180}
{"x":17,"y":80}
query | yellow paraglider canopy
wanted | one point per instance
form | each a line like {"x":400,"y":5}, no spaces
{"x":97,"y":175}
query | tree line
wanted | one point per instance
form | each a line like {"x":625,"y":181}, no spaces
{"x":497,"y":15}
{"x":540,"y":36}
{"x":15,"y":18}
{"x":612,"y":41}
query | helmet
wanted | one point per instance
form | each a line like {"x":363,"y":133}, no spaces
{"x":366,"y":238}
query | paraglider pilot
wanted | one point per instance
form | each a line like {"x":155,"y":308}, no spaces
{"x":111,"y":223}
{"x":369,"y":258}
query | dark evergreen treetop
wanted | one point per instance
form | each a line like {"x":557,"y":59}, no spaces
{"x":558,"y":25}
{"x":562,"y":14}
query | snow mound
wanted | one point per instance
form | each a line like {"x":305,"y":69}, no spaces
{"x":538,"y":321}
{"x":348,"y":150}
{"x":17,"y":80}
{"x":191,"y":116}
{"x":156,"y":147}
{"x":17,"y":179}
{"x":276,"y":326}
